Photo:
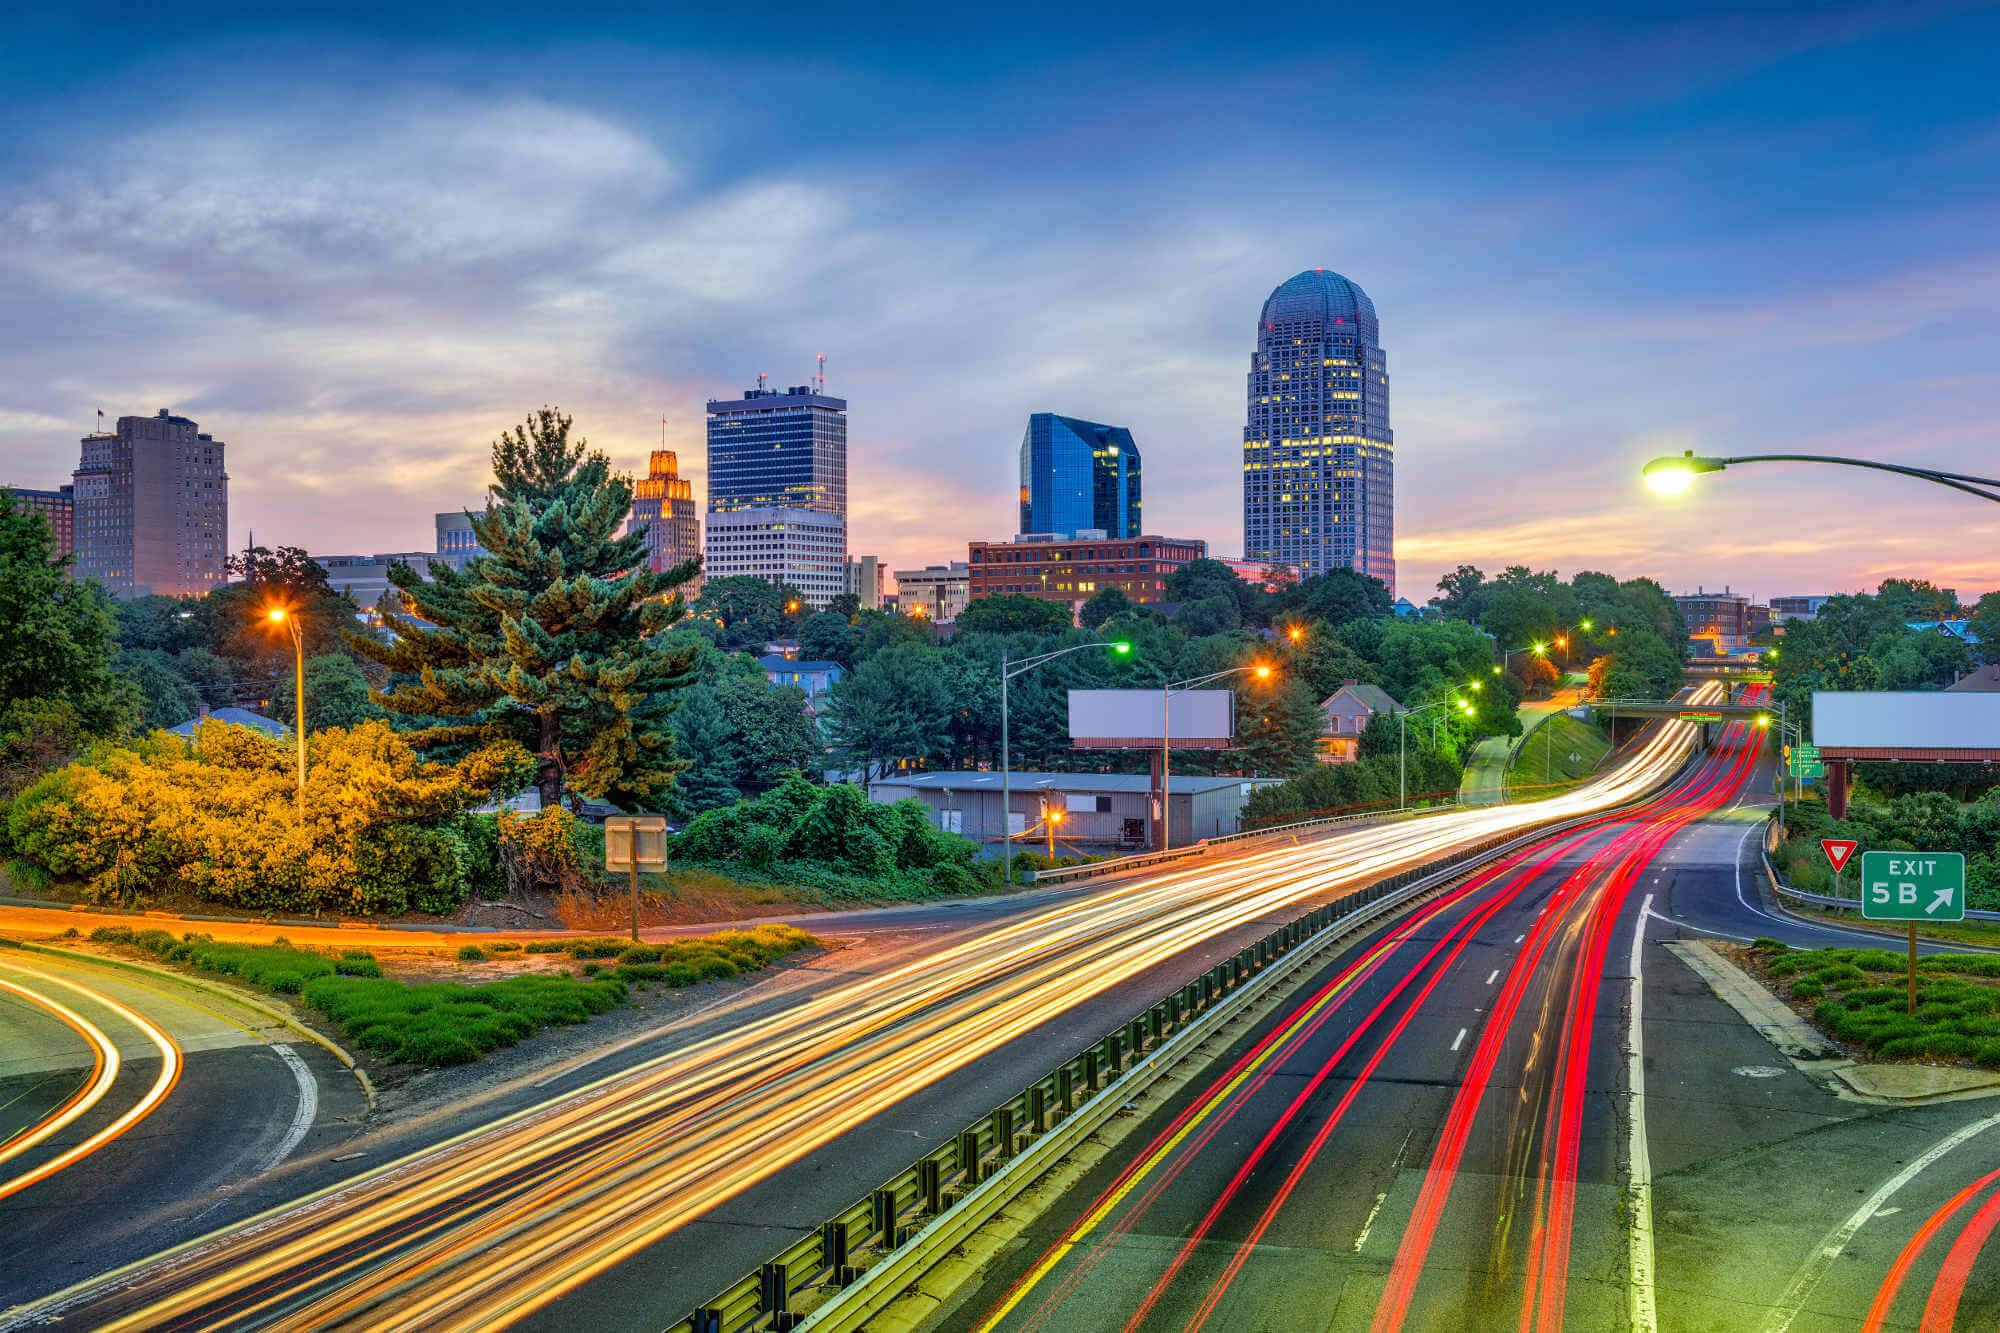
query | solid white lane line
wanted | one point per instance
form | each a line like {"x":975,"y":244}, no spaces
{"x":1638,"y":1156}
{"x":302,"y":1117}
{"x":1459,"y":1040}
{"x":1821,"y":1259}
{"x":1688,"y":925}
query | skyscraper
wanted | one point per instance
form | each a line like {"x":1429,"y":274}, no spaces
{"x":1318,"y":455}
{"x":57,"y":506}
{"x":777,"y":489}
{"x":152,"y":508}
{"x":1078,"y":476}
{"x":663,"y":503}
{"x":772,"y":450}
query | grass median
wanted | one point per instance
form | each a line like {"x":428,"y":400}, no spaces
{"x":1556,"y":756}
{"x":452,"y":1023}
{"x":1861,"y":996}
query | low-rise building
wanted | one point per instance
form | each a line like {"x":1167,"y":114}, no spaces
{"x":1798,"y":608}
{"x":456,"y":541}
{"x":1073,"y":570}
{"x":937,"y":592}
{"x":815,"y":678}
{"x":866,"y":578}
{"x":1344,"y":715}
{"x":1722,"y":618}
{"x":1095,"y":812}
{"x":364,"y":578}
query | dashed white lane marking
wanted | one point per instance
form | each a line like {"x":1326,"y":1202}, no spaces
{"x":1491,"y":978}
{"x":302,"y":1116}
{"x":1459,"y":1040}
{"x":1519,"y":938}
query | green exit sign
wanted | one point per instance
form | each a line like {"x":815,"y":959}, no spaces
{"x":1913,"y":886}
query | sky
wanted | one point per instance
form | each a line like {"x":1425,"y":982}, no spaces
{"x":358,"y":242}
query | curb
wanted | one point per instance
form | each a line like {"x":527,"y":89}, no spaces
{"x":229,"y":993}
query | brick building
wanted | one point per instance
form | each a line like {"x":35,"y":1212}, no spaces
{"x":1062,"y":570}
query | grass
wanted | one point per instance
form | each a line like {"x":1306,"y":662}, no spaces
{"x":1543,"y":766}
{"x":1861,"y":996}
{"x":1985,"y":933}
{"x":451,"y":1023}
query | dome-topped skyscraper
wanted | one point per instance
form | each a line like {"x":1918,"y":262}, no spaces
{"x":1318,"y":455}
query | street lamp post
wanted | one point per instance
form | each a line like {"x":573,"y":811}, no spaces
{"x":277,"y":615}
{"x":1671,"y":476}
{"x":1403,"y":736}
{"x":1166,"y":751}
{"x":1009,"y":670}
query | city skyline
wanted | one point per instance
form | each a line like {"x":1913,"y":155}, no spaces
{"x":361,"y":311}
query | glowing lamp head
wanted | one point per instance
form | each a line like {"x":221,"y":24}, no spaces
{"x":1496,"y":668}
{"x":1586,"y":624}
{"x":1121,"y":647}
{"x":1541,"y":647}
{"x":275,"y":614}
{"x":1263,"y":673}
{"x":1562,"y":643}
{"x":1672,"y":476}
{"x":1763,"y":720}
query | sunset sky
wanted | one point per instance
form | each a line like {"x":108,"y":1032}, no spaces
{"x":356,"y":244}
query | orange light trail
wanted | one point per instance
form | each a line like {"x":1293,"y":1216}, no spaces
{"x":495,"y":1224}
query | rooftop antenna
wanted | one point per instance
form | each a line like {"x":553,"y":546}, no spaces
{"x":822,"y":374}
{"x":761,"y":377}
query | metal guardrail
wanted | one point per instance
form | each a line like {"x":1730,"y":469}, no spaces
{"x":871,"y":1251}
{"x":1143,"y":859}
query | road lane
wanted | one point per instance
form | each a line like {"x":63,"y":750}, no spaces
{"x":567,"y":1200}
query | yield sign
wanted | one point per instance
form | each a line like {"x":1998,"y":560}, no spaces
{"x":1837,"y":851}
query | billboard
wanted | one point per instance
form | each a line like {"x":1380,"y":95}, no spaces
{"x":1906,"y":720}
{"x":1131,"y":719}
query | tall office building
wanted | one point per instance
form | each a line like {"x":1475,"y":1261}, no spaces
{"x":57,"y":506}
{"x":777,"y":489}
{"x":152,"y":508}
{"x":1078,"y":476}
{"x":772,"y":450}
{"x":663,"y":503}
{"x":1318,"y":455}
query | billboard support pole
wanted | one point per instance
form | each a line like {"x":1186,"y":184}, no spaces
{"x":1006,"y":782}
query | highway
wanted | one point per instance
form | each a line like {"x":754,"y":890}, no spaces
{"x":571,"y":1208}
{"x":130,"y":1103}
{"x":1460,"y":1125}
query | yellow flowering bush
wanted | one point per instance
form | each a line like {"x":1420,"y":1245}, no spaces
{"x":217,"y":818}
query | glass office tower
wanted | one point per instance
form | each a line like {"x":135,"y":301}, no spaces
{"x":777,"y":450}
{"x":1078,"y":476}
{"x":1318,"y":455}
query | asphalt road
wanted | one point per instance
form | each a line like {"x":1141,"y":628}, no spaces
{"x":620,"y":1203}
{"x":131,"y":1106}
{"x":1440,"y":1134}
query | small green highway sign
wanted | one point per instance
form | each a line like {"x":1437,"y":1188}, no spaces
{"x":1913,"y":886}
{"x":1803,"y":761}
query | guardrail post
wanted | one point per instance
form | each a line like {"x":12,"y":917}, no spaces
{"x":930,"y":1184}
{"x":833,"y":1252}
{"x":882,"y":1209}
{"x":1090,"y":1059}
{"x":1038,"y":1110}
{"x":774,"y":1289}
{"x":1065,"y":1090}
{"x":1003,"y":1132}
{"x":1114,"y":1053}
{"x":1137,"y":1036}
{"x":706,"y":1321}
{"x":968,"y":1156}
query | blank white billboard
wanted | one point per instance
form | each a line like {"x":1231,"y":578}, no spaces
{"x":1916,"y":720}
{"x":1112,"y":719}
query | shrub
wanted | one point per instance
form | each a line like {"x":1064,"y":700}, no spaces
{"x":1765,"y":944}
{"x":546,"y":946}
{"x":471,"y":953}
{"x":505,"y":946}
{"x":1807,"y":989}
{"x":639,"y":953}
{"x":602,"y":946}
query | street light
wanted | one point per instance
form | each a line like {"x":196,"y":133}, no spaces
{"x":277,"y":615}
{"x":1166,"y":750}
{"x":1403,"y":731}
{"x":1672,"y":476}
{"x":1006,"y":758}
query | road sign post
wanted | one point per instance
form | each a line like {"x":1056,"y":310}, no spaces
{"x":632,"y":841}
{"x":1837,"y":851}
{"x":1912,"y":887}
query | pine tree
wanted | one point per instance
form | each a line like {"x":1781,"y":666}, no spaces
{"x":554,"y":639}
{"x":703,"y":738}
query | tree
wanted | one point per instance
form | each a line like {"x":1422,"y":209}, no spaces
{"x":55,"y":634}
{"x":828,"y":637}
{"x":1459,"y":594}
{"x":212,"y":675}
{"x":773,"y":734}
{"x":1321,"y":660}
{"x":1338,"y":596}
{"x":1985,"y":622}
{"x":166,"y":699}
{"x":1105,"y":603}
{"x":702,"y":736}
{"x":743,"y":611}
{"x":846,"y":605}
{"x":1916,"y":599}
{"x":1004,"y":613}
{"x":336,"y":695}
{"x":1208,"y":615}
{"x":555,"y":639}
{"x":898,"y":705}
{"x":1642,"y":668}
{"x":1277,"y":727}
{"x":158,"y":622}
